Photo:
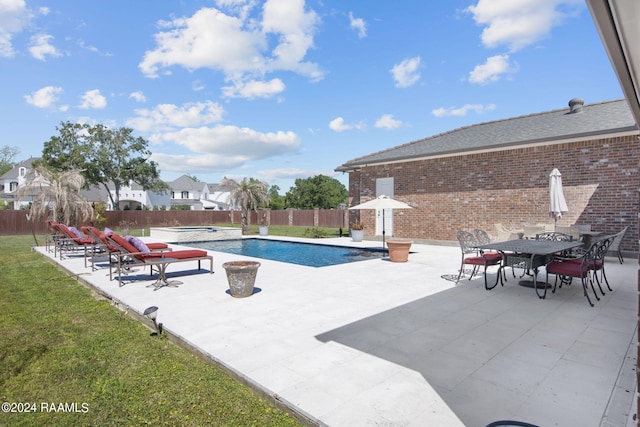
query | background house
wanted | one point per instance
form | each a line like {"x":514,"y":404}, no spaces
{"x":17,"y":176}
{"x":198,"y":195}
{"x":133,"y":196}
{"x":11,"y":180}
{"x":498,"y":173}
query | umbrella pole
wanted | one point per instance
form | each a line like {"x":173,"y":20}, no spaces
{"x":383,"y":231}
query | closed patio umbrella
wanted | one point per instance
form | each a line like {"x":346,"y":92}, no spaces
{"x":558,"y":204}
{"x":382,"y":202}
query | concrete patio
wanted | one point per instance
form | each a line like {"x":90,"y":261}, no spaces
{"x":395,"y":344}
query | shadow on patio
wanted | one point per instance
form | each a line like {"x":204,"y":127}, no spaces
{"x":505,"y":354}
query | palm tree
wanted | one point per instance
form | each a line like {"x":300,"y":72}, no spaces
{"x":245,"y":195}
{"x":56,"y":196}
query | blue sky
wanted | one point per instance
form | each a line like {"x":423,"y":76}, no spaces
{"x":286,"y":89}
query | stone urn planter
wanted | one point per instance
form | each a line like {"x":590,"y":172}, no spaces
{"x":399,"y":250}
{"x":357,"y":235}
{"x":263,"y":230}
{"x":241,"y":276}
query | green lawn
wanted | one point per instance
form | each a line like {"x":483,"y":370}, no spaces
{"x":60,"y":345}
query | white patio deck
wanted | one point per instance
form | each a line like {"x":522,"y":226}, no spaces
{"x":395,"y":344}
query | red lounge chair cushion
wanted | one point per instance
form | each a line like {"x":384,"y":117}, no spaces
{"x":154,"y":246}
{"x":185,"y":254}
{"x":125,"y":245}
{"x":71,"y":235}
{"x":103,"y":238}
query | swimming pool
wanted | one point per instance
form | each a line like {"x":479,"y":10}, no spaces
{"x":299,"y":253}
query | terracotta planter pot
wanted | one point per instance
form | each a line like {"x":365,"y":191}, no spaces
{"x":241,"y":276}
{"x":399,"y":250}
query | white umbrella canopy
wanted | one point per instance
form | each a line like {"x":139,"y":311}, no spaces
{"x":382,"y":202}
{"x":558,"y":204}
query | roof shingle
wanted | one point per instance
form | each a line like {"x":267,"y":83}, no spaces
{"x":596,"y":119}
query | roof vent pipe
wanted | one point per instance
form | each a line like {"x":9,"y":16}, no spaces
{"x":575,"y":105}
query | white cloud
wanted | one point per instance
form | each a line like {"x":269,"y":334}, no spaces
{"x":93,"y":100}
{"x":291,"y":173}
{"x":88,"y":47}
{"x":41,"y":46}
{"x":198,"y":85}
{"x":492,"y":70}
{"x":45,"y":97}
{"x":197,"y":162}
{"x":230,"y":146}
{"x":519,"y":23}
{"x":406,"y":73}
{"x":138,"y":96}
{"x":238,"y":46}
{"x":386,"y":121}
{"x":462,"y":111}
{"x":359,"y":25}
{"x":295,"y":29}
{"x":213,"y":147}
{"x":208,"y":39}
{"x":14,"y":17}
{"x":254,"y":89}
{"x":170,"y":116}
{"x":338,"y":125}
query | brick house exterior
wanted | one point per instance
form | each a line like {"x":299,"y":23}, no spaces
{"x":498,"y":173}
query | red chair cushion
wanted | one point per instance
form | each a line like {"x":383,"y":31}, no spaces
{"x":125,"y":245}
{"x":490,"y":258}
{"x":566,"y":268}
{"x":185,"y":254}
{"x":153,"y":246}
{"x":595,"y":265}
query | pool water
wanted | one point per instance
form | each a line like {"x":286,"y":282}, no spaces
{"x":307,"y":254}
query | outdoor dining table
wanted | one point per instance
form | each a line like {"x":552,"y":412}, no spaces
{"x":531,"y":254}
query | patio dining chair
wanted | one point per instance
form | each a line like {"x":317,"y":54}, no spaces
{"x":574,"y":268}
{"x":601,"y":247}
{"x":482,"y":237}
{"x":471,"y":255}
{"x":554,"y":236}
{"x":615,"y":245}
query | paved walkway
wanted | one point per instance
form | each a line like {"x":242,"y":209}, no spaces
{"x":395,"y":344}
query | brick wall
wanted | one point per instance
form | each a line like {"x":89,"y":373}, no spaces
{"x":600,"y":180}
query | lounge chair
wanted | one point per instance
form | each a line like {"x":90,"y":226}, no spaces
{"x":104,"y":247}
{"x":128,"y":256}
{"x":70,"y":239}
{"x":54,"y":235}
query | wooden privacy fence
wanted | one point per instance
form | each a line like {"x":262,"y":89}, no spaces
{"x":15,"y":222}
